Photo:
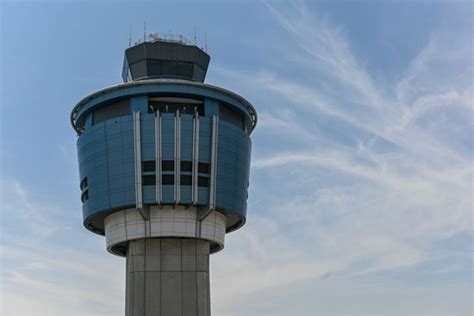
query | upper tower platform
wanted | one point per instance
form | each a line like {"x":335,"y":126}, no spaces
{"x":164,"y":56}
{"x":164,"y":164}
{"x":164,"y":146}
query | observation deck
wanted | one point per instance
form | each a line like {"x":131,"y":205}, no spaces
{"x":165,"y":56}
{"x":163,"y":138}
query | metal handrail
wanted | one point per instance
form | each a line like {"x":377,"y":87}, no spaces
{"x":164,"y":37}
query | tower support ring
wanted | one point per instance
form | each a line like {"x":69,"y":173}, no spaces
{"x":164,"y":222}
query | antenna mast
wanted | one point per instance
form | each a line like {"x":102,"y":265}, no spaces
{"x":144,"y":31}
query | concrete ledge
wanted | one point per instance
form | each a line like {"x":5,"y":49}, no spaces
{"x":179,"y":222}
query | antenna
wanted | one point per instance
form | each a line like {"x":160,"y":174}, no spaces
{"x":130,"y":36}
{"x":205,"y":42}
{"x":195,"y":42}
{"x":144,"y":31}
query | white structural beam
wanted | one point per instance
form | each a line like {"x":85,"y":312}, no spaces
{"x":138,"y":160}
{"x":213,"y":175}
{"x":158,"y":157}
{"x":177,"y":158}
{"x":195,"y":167}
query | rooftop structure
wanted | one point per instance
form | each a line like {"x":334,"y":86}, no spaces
{"x":165,"y":56}
{"x":164,"y":162}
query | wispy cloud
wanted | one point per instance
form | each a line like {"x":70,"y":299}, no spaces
{"x":352,"y":179}
{"x":44,"y":265}
{"x":380,"y":203}
{"x":326,"y":46}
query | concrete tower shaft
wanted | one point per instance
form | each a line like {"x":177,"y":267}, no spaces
{"x":167,"y":276}
{"x":164,"y":163}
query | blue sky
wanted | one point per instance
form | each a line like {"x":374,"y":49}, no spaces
{"x":361,"y":185}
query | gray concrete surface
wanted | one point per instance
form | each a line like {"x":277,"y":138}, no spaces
{"x":167,"y":277}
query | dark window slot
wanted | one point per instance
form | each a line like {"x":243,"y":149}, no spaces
{"x":169,"y":68}
{"x":186,"y":180}
{"x":80,"y":125}
{"x":83,"y":184}
{"x":186,"y":166}
{"x":172,"y":107}
{"x":85,"y":196}
{"x":231,"y":115}
{"x":203,"y":167}
{"x":185,"y":69}
{"x":203,"y":181}
{"x":167,"y":165}
{"x":138,"y":69}
{"x":149,"y":165}
{"x":110,"y":111}
{"x":167,"y":179}
{"x":154,"y":67}
{"x":149,"y":180}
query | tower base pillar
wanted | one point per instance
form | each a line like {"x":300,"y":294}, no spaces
{"x":167,"y":277}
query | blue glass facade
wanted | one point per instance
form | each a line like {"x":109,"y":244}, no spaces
{"x":107,"y":156}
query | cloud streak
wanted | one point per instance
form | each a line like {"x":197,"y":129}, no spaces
{"x":389,"y":198}
{"x":359,"y":189}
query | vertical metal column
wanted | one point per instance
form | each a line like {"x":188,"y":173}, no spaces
{"x":212,"y":185}
{"x":158,"y":156}
{"x":195,"y":166}
{"x":177,"y":158}
{"x":138,"y":160}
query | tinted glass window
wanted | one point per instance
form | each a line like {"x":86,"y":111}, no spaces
{"x":171,"y":104}
{"x":169,"y":68}
{"x":167,"y":165}
{"x":203,"y":181}
{"x":186,"y":180}
{"x":198,"y":73}
{"x":203,"y":167}
{"x":186,"y":166}
{"x":185,"y":69}
{"x":116,"y":109}
{"x":228,"y":114}
{"x":80,"y":125}
{"x":154,"y":67}
{"x":149,"y":165}
{"x":172,"y":107}
{"x":167,"y":179}
{"x":85,"y":196}
{"x":149,"y":180}
{"x":138,"y":69}
{"x":83,"y":184}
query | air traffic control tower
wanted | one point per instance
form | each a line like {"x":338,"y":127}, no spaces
{"x":164,"y":165}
